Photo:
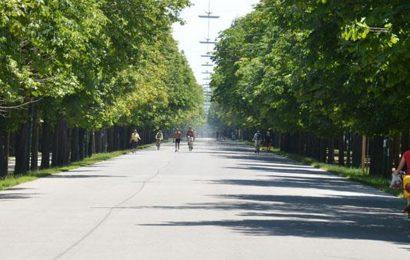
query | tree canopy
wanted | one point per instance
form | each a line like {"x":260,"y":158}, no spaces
{"x":322,"y":67}
{"x":97,"y":63}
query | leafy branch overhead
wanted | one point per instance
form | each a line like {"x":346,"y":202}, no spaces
{"x":99,"y":63}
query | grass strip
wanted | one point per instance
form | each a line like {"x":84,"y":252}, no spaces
{"x":13,"y":180}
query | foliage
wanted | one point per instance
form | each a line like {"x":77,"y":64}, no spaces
{"x":321,"y":67}
{"x":96,"y":63}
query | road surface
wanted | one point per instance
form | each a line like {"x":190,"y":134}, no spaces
{"x":219,"y":202}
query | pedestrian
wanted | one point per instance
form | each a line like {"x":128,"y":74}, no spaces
{"x":135,"y":138}
{"x":233,"y":137}
{"x":268,"y":140}
{"x":159,"y":137}
{"x":177,"y":139}
{"x":405,"y":161}
{"x":257,"y":138}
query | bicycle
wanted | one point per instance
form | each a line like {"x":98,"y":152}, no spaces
{"x":190,"y":143}
{"x":401,"y":181}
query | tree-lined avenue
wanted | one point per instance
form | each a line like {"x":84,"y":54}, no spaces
{"x":219,"y":202}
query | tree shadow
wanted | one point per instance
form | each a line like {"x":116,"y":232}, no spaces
{"x":322,"y":183}
{"x":16,"y":196}
{"x":260,"y":158}
{"x":17,"y":189}
{"x":280,"y":169}
{"x":341,"y":210}
{"x":82,"y":176}
{"x":341,"y":217}
{"x":272,"y":164}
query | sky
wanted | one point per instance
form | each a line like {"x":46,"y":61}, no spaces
{"x":196,"y":29}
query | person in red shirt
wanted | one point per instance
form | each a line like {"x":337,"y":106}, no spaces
{"x":405,"y":160}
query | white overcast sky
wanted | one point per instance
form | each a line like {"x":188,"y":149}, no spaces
{"x":196,"y":29}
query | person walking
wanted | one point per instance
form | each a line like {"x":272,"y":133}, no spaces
{"x":177,"y":139}
{"x":159,"y":137}
{"x":257,"y":138}
{"x":135,"y":138}
{"x":268,"y":140}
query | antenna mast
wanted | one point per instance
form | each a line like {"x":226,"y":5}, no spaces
{"x":208,"y":64}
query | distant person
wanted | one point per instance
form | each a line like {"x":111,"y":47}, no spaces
{"x":190,"y":135}
{"x":159,"y":137}
{"x":135,"y":138}
{"x":217,"y":135}
{"x":177,"y":139}
{"x":257,"y":138}
{"x":268,"y":140}
{"x":405,"y":161}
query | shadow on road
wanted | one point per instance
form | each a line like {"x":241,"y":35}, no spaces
{"x":16,"y":196}
{"x":82,"y":176}
{"x":359,"y":213}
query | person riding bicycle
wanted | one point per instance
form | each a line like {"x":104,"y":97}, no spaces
{"x":405,"y":161}
{"x":177,"y":139}
{"x":190,"y":135}
{"x":135,"y":138}
{"x":159,"y":137}
{"x":257,"y":138}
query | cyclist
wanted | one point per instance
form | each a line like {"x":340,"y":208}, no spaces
{"x":159,"y":137}
{"x":257,"y":138}
{"x":135,"y":138}
{"x":177,"y":139}
{"x":190,"y":135}
{"x":405,"y":160}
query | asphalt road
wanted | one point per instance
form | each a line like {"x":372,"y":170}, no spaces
{"x":219,"y":202}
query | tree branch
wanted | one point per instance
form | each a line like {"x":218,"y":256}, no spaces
{"x":5,"y":108}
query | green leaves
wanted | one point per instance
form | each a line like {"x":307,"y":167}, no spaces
{"x":98,"y":62}
{"x":313,"y":66}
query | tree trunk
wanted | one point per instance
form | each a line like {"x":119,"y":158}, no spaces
{"x":357,"y":150}
{"x":54,"y":144}
{"x":341,"y":151}
{"x":331,"y":153}
{"x":46,"y":140}
{"x":116,"y":139}
{"x":376,"y":156}
{"x":349,"y":149}
{"x":395,"y":150}
{"x":75,"y":145}
{"x":97,"y":138}
{"x":67,"y":145}
{"x":81,"y":144}
{"x":22,"y":143}
{"x":104,"y":141}
{"x":4,"y":153}
{"x":34,"y":139}
{"x":61,"y":150}
{"x":91,"y":144}
{"x":316,"y":148}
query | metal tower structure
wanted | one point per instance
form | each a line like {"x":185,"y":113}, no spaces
{"x":210,"y":44}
